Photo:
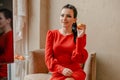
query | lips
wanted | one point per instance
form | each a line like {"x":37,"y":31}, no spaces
{"x":64,"y":22}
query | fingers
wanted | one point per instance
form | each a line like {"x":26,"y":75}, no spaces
{"x":19,"y":57}
{"x":81,"y":30}
{"x":67,"y":72}
{"x":80,"y":33}
{"x":81,"y":26}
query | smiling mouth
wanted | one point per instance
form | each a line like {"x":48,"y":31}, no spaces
{"x":64,"y":22}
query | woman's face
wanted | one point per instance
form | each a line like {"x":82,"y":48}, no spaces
{"x":3,"y":20}
{"x":67,"y":17}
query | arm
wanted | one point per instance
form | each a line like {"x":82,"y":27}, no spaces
{"x":80,"y":54}
{"x":7,"y":56}
{"x":50,"y":60}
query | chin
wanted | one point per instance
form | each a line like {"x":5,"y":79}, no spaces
{"x":64,"y":25}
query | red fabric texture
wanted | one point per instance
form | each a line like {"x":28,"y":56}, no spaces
{"x":6,"y":52}
{"x":61,"y":52}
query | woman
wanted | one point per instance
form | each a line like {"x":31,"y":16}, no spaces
{"x":65,"y":48}
{"x":6,"y":42}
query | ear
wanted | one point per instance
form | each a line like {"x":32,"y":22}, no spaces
{"x":8,"y":20}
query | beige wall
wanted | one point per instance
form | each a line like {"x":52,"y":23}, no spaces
{"x":38,"y":23}
{"x":44,"y":11}
{"x":103,"y":29}
{"x":34,"y":24}
{"x":102,"y":19}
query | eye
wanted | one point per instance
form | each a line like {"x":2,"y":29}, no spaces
{"x":62,"y":15}
{"x":69,"y":16}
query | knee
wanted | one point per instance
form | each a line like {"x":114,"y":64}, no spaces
{"x":69,"y":79}
{"x":79,"y":75}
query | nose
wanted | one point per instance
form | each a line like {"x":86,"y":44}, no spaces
{"x":64,"y":18}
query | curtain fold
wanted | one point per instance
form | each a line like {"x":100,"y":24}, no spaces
{"x":20,"y":24}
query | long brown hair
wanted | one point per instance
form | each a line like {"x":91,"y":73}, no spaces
{"x":74,"y":26}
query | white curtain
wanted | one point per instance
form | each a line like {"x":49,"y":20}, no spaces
{"x":20,"y":35}
{"x":20,"y":25}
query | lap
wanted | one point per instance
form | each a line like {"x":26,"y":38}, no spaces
{"x":77,"y":75}
{"x":69,"y":79}
{"x":57,"y":76}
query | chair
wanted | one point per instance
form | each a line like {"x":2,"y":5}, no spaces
{"x":37,"y":69}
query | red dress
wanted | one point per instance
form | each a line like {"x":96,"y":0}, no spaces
{"x":6,"y":52}
{"x":61,"y":52}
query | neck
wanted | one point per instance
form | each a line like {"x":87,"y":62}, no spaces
{"x":66,"y":31}
{"x":7,"y":29}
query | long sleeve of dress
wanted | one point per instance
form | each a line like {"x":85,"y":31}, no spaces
{"x":80,"y":54}
{"x":7,"y":55}
{"x":52,"y":63}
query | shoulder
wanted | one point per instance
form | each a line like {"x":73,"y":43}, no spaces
{"x":9,"y":34}
{"x":52,"y":32}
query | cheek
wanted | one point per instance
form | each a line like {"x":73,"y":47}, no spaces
{"x":2,"y":23}
{"x":60,"y":19}
{"x":71,"y":21}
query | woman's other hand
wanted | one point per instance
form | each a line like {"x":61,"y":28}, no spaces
{"x":19,"y":57}
{"x":81,"y":30}
{"x":67,"y":72}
